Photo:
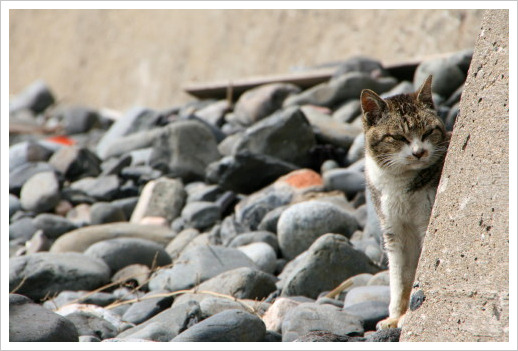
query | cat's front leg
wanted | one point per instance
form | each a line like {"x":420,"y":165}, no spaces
{"x":403,"y":253}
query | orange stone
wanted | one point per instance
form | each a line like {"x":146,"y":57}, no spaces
{"x":302,"y":178}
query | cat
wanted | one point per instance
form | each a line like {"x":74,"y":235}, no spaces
{"x":405,"y":147}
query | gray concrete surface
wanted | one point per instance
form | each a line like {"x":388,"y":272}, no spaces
{"x":464,"y":268}
{"x":121,"y":58}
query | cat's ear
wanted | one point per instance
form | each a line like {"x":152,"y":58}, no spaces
{"x":424,"y":93}
{"x":372,"y":107}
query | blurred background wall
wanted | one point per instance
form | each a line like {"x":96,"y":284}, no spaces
{"x":122,"y":58}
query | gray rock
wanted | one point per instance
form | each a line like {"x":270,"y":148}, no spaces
{"x":165,"y":325}
{"x":14,"y":205}
{"x":148,"y":307}
{"x":29,"y":322}
{"x":285,"y":135}
{"x":416,"y":300}
{"x":226,"y":146}
{"x":328,"y":165}
{"x":80,"y":239}
{"x":229,"y":325}
{"x":104,"y":212}
{"x":39,"y":242}
{"x":357,"y":149}
{"x":132,"y":275}
{"x":19,"y":175}
{"x":371,"y":248}
{"x":103,"y":188}
{"x":76,"y":197}
{"x":385,"y":335}
{"x":329,"y":261}
{"x":53,"y":226}
{"x":452,"y":116}
{"x":254,"y":237}
{"x":241,"y":283}
{"x":76,"y":163}
{"x":270,"y":219}
{"x":28,"y":151}
{"x":329,"y":131}
{"x":174,"y":149}
{"x":140,"y":157}
{"x":367,"y":294}
{"x":89,"y":338}
{"x":198,"y":264}
{"x":200,"y":191}
{"x":121,"y":252}
{"x":115,"y":165}
{"x":361,"y":279}
{"x":258,"y":103}
{"x":404,"y":87}
{"x":262,"y":254}
{"x":323,"y":336}
{"x":36,"y":97}
{"x":203,"y":239}
{"x":455,"y":97}
{"x":380,"y":278}
{"x":127,"y":205}
{"x":42,"y":274}
{"x":141,"y":173}
{"x":230,"y":228}
{"x":81,"y":297}
{"x":133,"y":120}
{"x":246,"y":172}
{"x":326,"y":300}
{"x":213,"y":113}
{"x":251,"y":210}
{"x":211,"y":305}
{"x":447,"y":74}
{"x":22,"y":230}
{"x":307,"y":317}
{"x":359,"y":64}
{"x":79,"y":215}
{"x":344,"y":179}
{"x":88,"y":324}
{"x":200,"y":214}
{"x":346,"y":86}
{"x":301,"y":224}
{"x":361,"y":215}
{"x":40,"y":192}
{"x":78,"y":119}
{"x":162,"y":197}
{"x":370,"y":312}
{"x":349,"y":111}
{"x":140,"y":140}
{"x":180,"y":242}
{"x":276,"y":312}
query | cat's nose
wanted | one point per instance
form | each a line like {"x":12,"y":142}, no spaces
{"x":418,"y":153}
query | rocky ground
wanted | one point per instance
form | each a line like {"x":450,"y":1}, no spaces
{"x":211,"y":221}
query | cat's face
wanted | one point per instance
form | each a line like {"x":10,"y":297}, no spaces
{"x":403,"y":132}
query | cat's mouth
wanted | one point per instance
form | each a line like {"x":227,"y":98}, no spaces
{"x":415,"y":164}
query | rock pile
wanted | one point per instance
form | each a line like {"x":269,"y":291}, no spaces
{"x":211,"y":221}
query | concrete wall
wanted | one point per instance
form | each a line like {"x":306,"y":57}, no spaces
{"x":121,"y":58}
{"x":464,"y":268}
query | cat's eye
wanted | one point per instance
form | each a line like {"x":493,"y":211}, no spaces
{"x":400,"y":138}
{"x":427,"y":134}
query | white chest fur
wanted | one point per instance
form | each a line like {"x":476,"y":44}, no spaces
{"x":402,"y":211}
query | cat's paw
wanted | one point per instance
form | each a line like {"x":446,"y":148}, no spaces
{"x":388,"y":323}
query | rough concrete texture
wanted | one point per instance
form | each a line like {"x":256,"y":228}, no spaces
{"x":121,"y":58}
{"x":464,"y":268}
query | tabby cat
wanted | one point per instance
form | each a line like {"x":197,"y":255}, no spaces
{"x":405,"y":146}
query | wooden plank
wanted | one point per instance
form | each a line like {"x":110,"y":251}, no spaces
{"x":403,"y":70}
{"x":219,"y":89}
